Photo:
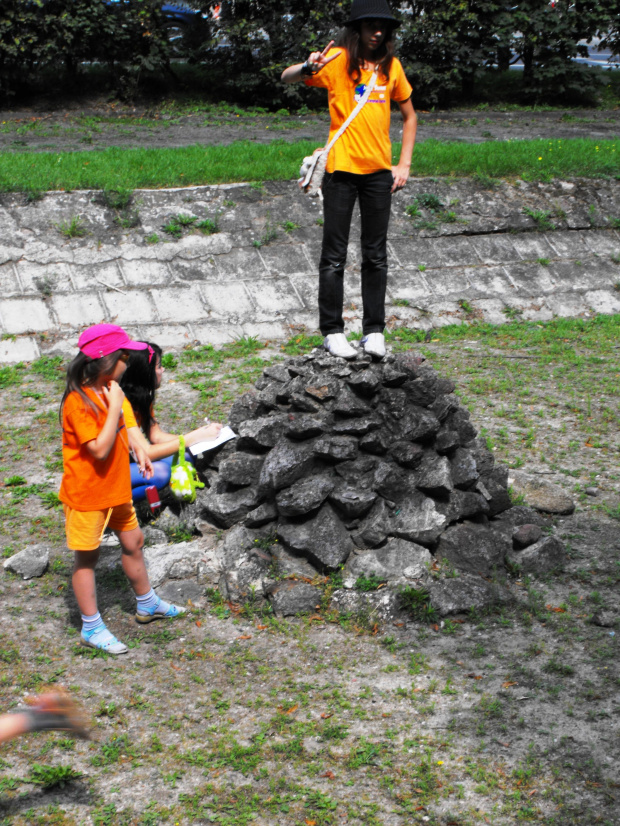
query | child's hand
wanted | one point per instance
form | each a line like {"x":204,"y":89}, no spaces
{"x":203,"y":434}
{"x":113,"y":394}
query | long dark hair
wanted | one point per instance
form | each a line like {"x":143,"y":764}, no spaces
{"x":84,"y":372}
{"x":139,"y":383}
{"x":349,"y":39}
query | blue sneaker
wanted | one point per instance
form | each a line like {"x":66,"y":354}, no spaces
{"x":163,"y":610}
{"x":102,"y":639}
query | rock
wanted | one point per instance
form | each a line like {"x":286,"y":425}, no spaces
{"x":153,"y":536}
{"x":290,"y":597}
{"x":418,"y":424}
{"x":392,"y":377}
{"x":604,"y":618}
{"x":392,"y":482}
{"x":474,"y":548}
{"x":463,"y":504}
{"x":434,"y":475}
{"x":336,"y":448}
{"x":418,"y":520}
{"x":463,"y":468}
{"x":407,"y":454}
{"x":521,"y":515}
{"x":591,"y":491}
{"x":322,"y":390}
{"x":267,"y":512}
{"x":245,"y":564}
{"x":458,"y":595}
{"x":443,"y":406}
{"x":376,"y":442}
{"x":323,"y":539}
{"x":179,"y":561}
{"x":241,"y":468}
{"x":226,"y":509}
{"x":540,"y":494}
{"x":279,"y":372}
{"x":29,"y":563}
{"x":459,"y":420}
{"x":483,"y":457}
{"x":304,"y":427}
{"x":241,"y":543}
{"x":348,"y":404}
{"x":244,"y":408}
{"x":373,"y":606}
{"x":398,"y":559}
{"x":494,"y":488}
{"x":446,"y":440}
{"x":304,"y":496}
{"x":374,"y":529}
{"x":544,"y":556}
{"x":287,"y":564}
{"x":422,"y":391}
{"x":356,"y":426}
{"x":180,"y":592}
{"x":366,"y":382}
{"x":261,"y":434}
{"x":360,"y":472}
{"x":286,"y":463}
{"x":352,"y":502}
{"x":525,"y":535}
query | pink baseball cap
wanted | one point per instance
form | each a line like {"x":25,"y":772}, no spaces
{"x":102,"y":339}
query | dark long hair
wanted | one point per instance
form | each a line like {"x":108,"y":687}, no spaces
{"x":139,"y":383}
{"x":84,"y":372}
{"x":349,"y":39}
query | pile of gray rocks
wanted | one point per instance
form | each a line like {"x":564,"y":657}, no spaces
{"x":371,"y":469}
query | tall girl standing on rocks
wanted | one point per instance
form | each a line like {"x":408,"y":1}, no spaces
{"x":96,"y":486}
{"x":359,"y":164}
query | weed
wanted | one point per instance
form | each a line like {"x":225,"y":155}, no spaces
{"x":466,"y":306}
{"x":616,"y":260}
{"x":153,"y":238}
{"x":513,"y":313}
{"x":429,"y":201}
{"x":209,"y":226}
{"x":368,"y":583}
{"x":73,"y":228}
{"x":544,"y":262}
{"x":418,"y":602}
{"x":45,"y":285}
{"x":51,"y":777}
{"x":289,"y":226}
{"x":270,"y":233}
{"x":541,"y":218}
{"x":401,"y":302}
{"x":412,"y":211}
{"x":117,"y":199}
{"x":169,"y":361}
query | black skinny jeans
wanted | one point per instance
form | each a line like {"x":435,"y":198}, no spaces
{"x":340,"y":189}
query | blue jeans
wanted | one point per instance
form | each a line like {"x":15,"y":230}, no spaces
{"x":340,"y":191}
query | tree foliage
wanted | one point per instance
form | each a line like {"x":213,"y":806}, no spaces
{"x":444,"y":44}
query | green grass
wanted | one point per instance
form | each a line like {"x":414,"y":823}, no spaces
{"x":114,"y":168}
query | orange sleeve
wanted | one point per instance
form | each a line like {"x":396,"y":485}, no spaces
{"x":128,"y":414}
{"x":83,"y":421}
{"x":401,"y":91}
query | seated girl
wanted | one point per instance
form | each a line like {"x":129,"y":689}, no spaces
{"x":139,"y":383}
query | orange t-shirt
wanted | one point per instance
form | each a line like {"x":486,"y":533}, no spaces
{"x":128,"y":414}
{"x":365,"y":145}
{"x":90,"y":484}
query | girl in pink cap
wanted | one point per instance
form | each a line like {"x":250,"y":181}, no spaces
{"x":96,"y":486}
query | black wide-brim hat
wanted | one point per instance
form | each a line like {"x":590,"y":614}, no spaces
{"x":371,"y":10}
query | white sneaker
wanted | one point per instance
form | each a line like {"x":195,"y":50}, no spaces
{"x":337,"y":345}
{"x":374,"y":345}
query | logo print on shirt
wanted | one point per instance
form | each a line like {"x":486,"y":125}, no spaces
{"x":359,"y":92}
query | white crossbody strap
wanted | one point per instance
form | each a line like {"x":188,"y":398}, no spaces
{"x":355,"y":112}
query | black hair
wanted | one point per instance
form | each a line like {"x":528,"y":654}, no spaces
{"x":349,"y":39}
{"x":139,"y":383}
{"x":84,"y":371}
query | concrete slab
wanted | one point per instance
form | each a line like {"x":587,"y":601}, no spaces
{"x":530,"y":279}
{"x":455,"y":251}
{"x":145,"y":273}
{"x":531,"y":246}
{"x":79,"y":309}
{"x":198,"y":269}
{"x":413,"y":252}
{"x":172,"y":336}
{"x":43,"y":279}
{"x":229,"y":299}
{"x":566,"y":305}
{"x":286,"y":259}
{"x":180,"y":304}
{"x":408,"y":286}
{"x":136,"y":307}
{"x":602,"y":301}
{"x":568,"y":245}
{"x":603,"y":242}
{"x":12,"y":351}
{"x":216,"y":333}
{"x":275,"y":294}
{"x":96,"y":276}
{"x":243,"y":263}
{"x":9,"y":284}
{"x":25,"y":315}
{"x":591,"y":274}
{"x":489,"y":281}
{"x":494,"y":249}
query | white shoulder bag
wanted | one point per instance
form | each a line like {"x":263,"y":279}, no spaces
{"x":313,"y":166}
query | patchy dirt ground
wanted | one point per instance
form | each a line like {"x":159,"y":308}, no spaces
{"x":231,"y":717}
{"x":97,"y":124}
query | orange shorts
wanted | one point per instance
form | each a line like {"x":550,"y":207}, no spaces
{"x":85,"y":529}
